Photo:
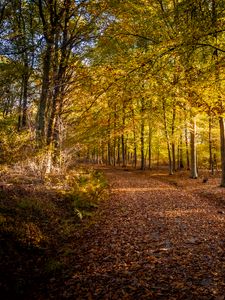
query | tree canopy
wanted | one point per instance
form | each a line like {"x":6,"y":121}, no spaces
{"x":130,"y":82}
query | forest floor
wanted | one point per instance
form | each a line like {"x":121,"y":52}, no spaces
{"x":155,"y":237}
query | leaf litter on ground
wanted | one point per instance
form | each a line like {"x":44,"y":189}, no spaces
{"x":156,"y":237}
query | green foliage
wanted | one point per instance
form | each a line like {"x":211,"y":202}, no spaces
{"x":14,"y":145}
{"x":86,"y":190}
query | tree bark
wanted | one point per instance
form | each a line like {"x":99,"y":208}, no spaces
{"x":222,"y":149}
{"x":25,"y":97}
{"x":180,"y":153}
{"x":149,"y":146}
{"x":173,"y":143}
{"x":44,"y":96}
{"x":109,"y":144}
{"x":118,"y":151}
{"x":167,"y":139}
{"x":211,"y":162}
{"x":187,"y":147}
{"x":194,"y":172}
{"x":123,"y":139}
{"x":142,"y":145}
{"x":142,"y":135}
{"x":134,"y":142}
{"x":123,"y":151}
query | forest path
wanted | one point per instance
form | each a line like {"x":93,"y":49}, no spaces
{"x":151,"y":240}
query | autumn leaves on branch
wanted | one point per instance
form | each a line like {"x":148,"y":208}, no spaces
{"x":125,"y":83}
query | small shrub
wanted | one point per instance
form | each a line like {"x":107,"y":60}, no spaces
{"x":85,"y":192}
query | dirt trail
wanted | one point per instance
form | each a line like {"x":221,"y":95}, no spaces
{"x":151,"y":240}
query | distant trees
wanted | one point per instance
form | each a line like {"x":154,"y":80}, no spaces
{"x":131,"y":83}
{"x":173,"y":45}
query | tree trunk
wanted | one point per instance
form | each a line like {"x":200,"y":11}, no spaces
{"x":102,"y":153}
{"x":180,"y":153}
{"x":19,"y":125}
{"x":149,"y":146}
{"x":158,"y":153}
{"x":22,"y":119}
{"x":142,"y":135}
{"x":44,"y":96}
{"x":114,"y":137}
{"x":123,"y":151}
{"x":187,"y":148}
{"x":123,"y":140}
{"x":167,"y":139}
{"x":194,"y":173}
{"x":135,"y":152}
{"x":222,"y":149}
{"x":173,"y":157}
{"x":211,"y":163}
{"x":109,"y":144}
{"x":118,"y":151}
{"x":142,"y":145}
{"x":25,"y":97}
{"x":173,"y":143}
{"x":134,"y":142}
{"x":60,"y":65}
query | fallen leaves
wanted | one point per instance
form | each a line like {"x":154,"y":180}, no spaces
{"x":150,"y":240}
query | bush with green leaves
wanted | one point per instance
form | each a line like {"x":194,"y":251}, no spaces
{"x":87,"y":189}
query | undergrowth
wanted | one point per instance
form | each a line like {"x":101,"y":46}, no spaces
{"x":38,"y":219}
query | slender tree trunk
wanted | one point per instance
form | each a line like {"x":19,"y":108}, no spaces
{"x":211,"y":163}
{"x":114,"y":151}
{"x":53,"y":112}
{"x":142,"y":145}
{"x":57,"y":142}
{"x":142,"y":135}
{"x":114,"y":137}
{"x":178,"y":155}
{"x":118,"y":151}
{"x":150,"y":136}
{"x":187,"y":147}
{"x":222,"y":149}
{"x":180,"y":163}
{"x":44,"y":95}
{"x":173,"y":150}
{"x":135,"y":151}
{"x":109,"y":153}
{"x":25,"y":97}
{"x":123,"y":151}
{"x":173,"y":142}
{"x":22,"y":119}
{"x":123,"y":140}
{"x":109,"y":144}
{"x":149,"y":146}
{"x":134,"y":142}
{"x":102,"y":153}
{"x":158,"y":154}
{"x":167,"y":139}
{"x":19,"y":125}
{"x":194,"y":173}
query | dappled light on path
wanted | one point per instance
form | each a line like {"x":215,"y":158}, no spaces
{"x":151,"y":240}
